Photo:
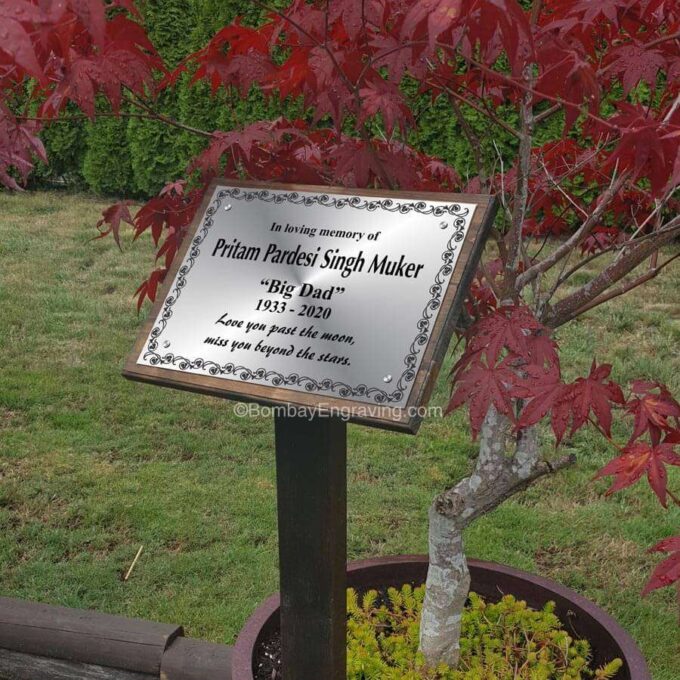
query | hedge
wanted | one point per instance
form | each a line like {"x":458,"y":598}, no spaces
{"x":134,"y":157}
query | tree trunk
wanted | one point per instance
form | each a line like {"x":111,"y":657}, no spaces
{"x":448,"y":583}
{"x":498,"y":474}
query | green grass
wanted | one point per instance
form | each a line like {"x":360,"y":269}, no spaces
{"x":93,"y":466}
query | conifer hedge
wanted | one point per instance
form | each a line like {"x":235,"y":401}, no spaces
{"x":137,"y":157}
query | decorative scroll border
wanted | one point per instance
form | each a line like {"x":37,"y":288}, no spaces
{"x":276,"y":379}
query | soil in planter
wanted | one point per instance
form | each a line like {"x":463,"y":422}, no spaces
{"x":268,"y":665}
{"x":501,"y":641}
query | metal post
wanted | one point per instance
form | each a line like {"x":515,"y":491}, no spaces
{"x":311,"y":460}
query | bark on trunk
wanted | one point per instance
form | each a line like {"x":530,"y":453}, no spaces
{"x":448,"y":583}
{"x":498,"y":474}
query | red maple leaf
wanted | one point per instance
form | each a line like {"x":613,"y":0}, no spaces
{"x":392,"y":54}
{"x":405,"y":165}
{"x":384,"y":97}
{"x":236,"y":56}
{"x":306,"y":20}
{"x":595,"y":394}
{"x":91,"y":14}
{"x":153,"y":215}
{"x":171,"y":245}
{"x":635,"y":63}
{"x":561,"y":412}
{"x":244,"y":39}
{"x":654,"y":409}
{"x":507,"y":328}
{"x":15,"y":38}
{"x":543,"y":349}
{"x":481,"y":299}
{"x":601,"y":238}
{"x":668,"y":571}
{"x":112,"y":217}
{"x":237,"y":70}
{"x":126,"y":59}
{"x":19,"y":143}
{"x":441,"y":173}
{"x":481,"y":387}
{"x":673,"y":437}
{"x":544,"y":393}
{"x":149,"y":287}
{"x":492,"y":27}
{"x":329,"y":83}
{"x":238,"y":146}
{"x":177,"y":187}
{"x":169,"y":210}
{"x":567,"y":74}
{"x":361,"y":163}
{"x":589,"y":11}
{"x":645,"y":149}
{"x":482,"y":26}
{"x":432,"y":17}
{"x":637,"y":460}
{"x":353,"y":15}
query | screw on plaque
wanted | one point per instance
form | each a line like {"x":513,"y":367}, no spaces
{"x":227,"y":207}
{"x":166,"y":344}
{"x":387,"y":379}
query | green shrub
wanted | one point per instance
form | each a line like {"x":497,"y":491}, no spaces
{"x":503,"y":641}
{"x":160,"y":153}
{"x":106,"y":164}
{"x":66,"y":145}
{"x":137,"y":157}
{"x":169,"y":24}
{"x":155,"y":150}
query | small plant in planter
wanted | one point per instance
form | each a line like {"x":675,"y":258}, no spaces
{"x":499,"y":640}
{"x":571,"y":115}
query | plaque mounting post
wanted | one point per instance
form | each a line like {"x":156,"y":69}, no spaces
{"x":311,"y":456}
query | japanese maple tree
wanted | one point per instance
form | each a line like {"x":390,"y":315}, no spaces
{"x":603,"y":191}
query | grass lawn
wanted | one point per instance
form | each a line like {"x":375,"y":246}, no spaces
{"x":93,"y":466}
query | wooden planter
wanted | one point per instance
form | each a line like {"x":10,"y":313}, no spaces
{"x":490,"y":580}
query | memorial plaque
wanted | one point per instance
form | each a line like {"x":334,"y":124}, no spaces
{"x":342,"y":301}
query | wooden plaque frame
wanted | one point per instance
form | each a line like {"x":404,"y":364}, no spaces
{"x":399,"y":419}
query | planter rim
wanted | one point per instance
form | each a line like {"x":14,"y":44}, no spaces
{"x":242,"y":654}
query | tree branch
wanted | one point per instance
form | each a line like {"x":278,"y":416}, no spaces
{"x":516,"y":83}
{"x":481,"y":110}
{"x":496,"y":476}
{"x":308,"y":35}
{"x":120,"y":114}
{"x":473,"y":140}
{"x":166,"y":119}
{"x":663,"y":39}
{"x":572,"y":306}
{"x":540,"y":117}
{"x":499,"y":490}
{"x":652,"y":273}
{"x":576,"y":238}
{"x":622,"y":247}
{"x":521,"y":197}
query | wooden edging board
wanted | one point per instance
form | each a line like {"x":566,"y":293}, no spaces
{"x":84,"y":636}
{"x":59,"y":643}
